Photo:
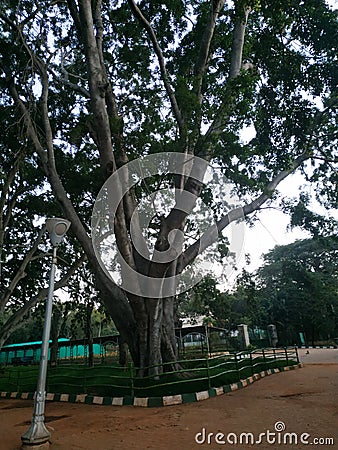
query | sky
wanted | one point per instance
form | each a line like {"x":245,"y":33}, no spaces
{"x":273,"y":229}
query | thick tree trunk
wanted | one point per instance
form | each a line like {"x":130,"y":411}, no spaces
{"x":123,"y":317}
{"x":155,"y":338}
{"x":123,"y":353}
{"x":168,"y":344}
{"x":154,"y":310}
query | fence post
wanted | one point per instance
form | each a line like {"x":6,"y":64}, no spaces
{"x":252,"y":369}
{"x":236,"y":365}
{"x":286,"y":356}
{"x":131,"y":375}
{"x":296,"y":350}
{"x":208,"y":371}
{"x":264,"y":359}
{"x":18,"y":380}
{"x":85,"y":390}
{"x":274,"y":353}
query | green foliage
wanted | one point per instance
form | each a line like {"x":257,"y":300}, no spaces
{"x":316,"y":224}
{"x":299,"y":288}
{"x":246,"y":303}
{"x":205,"y":300}
{"x":31,"y":330}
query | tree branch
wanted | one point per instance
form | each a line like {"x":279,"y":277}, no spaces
{"x":97,"y":88}
{"x":203,"y":58}
{"x":6,"y":188}
{"x":221,"y":116}
{"x":242,"y":14}
{"x":211,"y":235}
{"x":17,"y":317}
{"x":7,"y":204}
{"x":21,"y":272}
{"x":65,"y":80}
{"x":170,"y":92}
{"x":75,"y":15}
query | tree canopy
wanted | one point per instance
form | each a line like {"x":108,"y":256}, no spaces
{"x":89,"y":85}
{"x":298,"y":288}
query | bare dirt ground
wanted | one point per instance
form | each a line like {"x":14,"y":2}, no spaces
{"x":304,"y":400}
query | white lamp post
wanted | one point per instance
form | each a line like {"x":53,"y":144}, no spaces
{"x":37,"y":436}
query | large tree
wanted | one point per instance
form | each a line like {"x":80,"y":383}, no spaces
{"x":95,"y":84}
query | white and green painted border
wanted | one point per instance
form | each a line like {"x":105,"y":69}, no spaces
{"x":318,"y":346}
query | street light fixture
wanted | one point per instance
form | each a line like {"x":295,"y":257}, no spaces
{"x":37,"y":436}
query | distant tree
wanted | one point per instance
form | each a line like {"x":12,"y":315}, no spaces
{"x":32,"y":328}
{"x":60,"y":316}
{"x":246,"y":302}
{"x":299,"y":288}
{"x":205,"y":301}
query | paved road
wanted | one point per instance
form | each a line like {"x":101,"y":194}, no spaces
{"x":318,"y":355}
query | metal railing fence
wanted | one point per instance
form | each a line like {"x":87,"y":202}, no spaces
{"x":188,"y":376}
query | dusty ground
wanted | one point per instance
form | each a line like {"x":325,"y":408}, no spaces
{"x":305,"y":400}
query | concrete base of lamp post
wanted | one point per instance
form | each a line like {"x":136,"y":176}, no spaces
{"x":43,"y":446}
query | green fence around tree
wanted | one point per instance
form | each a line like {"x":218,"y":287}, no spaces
{"x":115,"y":381}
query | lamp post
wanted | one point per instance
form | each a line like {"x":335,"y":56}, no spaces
{"x":37,"y":436}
